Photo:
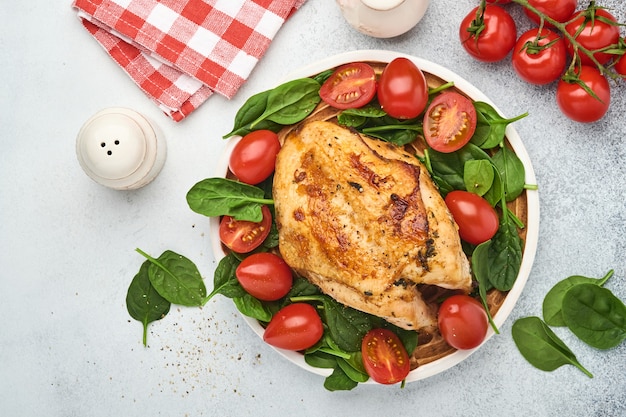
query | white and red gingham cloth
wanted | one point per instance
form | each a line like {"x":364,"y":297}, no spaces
{"x":181,"y":51}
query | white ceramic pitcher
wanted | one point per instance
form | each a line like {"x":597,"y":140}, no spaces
{"x":383,"y":18}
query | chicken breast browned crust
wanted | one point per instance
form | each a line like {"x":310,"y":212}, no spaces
{"x":361,"y":219}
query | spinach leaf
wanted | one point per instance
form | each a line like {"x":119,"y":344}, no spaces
{"x":320,"y":359}
{"x":355,"y":374}
{"x":491,"y":126}
{"x":143,"y":302}
{"x":450,"y":167}
{"x":225,"y":281}
{"x":480,"y":268}
{"x":215,"y":197}
{"x":346,"y":326}
{"x":176,"y":278}
{"x":339,"y":381}
{"x":290,"y":102}
{"x":553,"y":301}
{"x":478,"y":176}
{"x":540,"y":346}
{"x":512,"y":172}
{"x":595,"y":315}
{"x":248,"y":113}
{"x":505,"y":254}
{"x":252,"y":307}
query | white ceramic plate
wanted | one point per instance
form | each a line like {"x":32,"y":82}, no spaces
{"x":532,"y":223}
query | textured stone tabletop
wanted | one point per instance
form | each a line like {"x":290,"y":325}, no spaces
{"x":67,"y":244}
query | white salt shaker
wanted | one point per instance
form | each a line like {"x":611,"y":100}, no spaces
{"x":383,"y":18}
{"x":119,"y":148}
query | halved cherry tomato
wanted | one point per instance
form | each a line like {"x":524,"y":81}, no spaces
{"x":351,"y":86}
{"x":449,"y":122}
{"x":463,"y":321}
{"x":295,"y":327}
{"x":384,"y":356}
{"x":496,"y":39}
{"x":254,"y":157}
{"x":539,"y":66}
{"x":243,"y":236}
{"x":559,"y":10}
{"x":477,"y":220}
{"x":402,"y":89}
{"x":578,"y":104}
{"x":594,"y":34}
{"x":265,"y":276}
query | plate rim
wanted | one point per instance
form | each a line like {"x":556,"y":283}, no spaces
{"x":532,"y":196}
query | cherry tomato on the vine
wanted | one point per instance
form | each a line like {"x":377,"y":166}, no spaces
{"x":449,"y":122}
{"x":254,"y":157}
{"x":294,"y":327}
{"x":578,"y":104}
{"x":384,"y":356}
{"x":244,"y":236}
{"x":350,"y":86}
{"x":620,"y":65}
{"x":265,"y":276}
{"x":402,"y":89}
{"x":463,"y":321}
{"x":594,"y":34}
{"x":477,"y":220}
{"x":537,"y":63}
{"x":559,"y":10}
{"x":496,"y":39}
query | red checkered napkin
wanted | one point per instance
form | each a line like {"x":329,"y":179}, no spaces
{"x":181,"y":51}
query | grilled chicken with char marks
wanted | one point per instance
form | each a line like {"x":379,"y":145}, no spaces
{"x":361,"y":219}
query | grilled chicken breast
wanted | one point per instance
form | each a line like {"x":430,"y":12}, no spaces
{"x":361,"y":219}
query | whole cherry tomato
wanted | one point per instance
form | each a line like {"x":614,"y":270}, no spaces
{"x":351,"y":86}
{"x":578,"y":104}
{"x":477,"y":220}
{"x":384,"y":356}
{"x":254,"y":157}
{"x":594,"y":34}
{"x":402,"y":89}
{"x":537,"y":63}
{"x":496,"y":39}
{"x":463,"y":322}
{"x":244,"y":236}
{"x":265,"y":276}
{"x":620,"y":65}
{"x":294,"y":327}
{"x":449,"y":122}
{"x":559,"y":10}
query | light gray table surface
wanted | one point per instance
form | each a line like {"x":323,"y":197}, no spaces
{"x":67,"y":344}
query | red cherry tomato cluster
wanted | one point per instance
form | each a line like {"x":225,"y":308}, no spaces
{"x":579,"y":48}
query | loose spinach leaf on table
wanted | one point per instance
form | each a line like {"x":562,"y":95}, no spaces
{"x":143,"y":302}
{"x":214,"y":197}
{"x":176,"y":278}
{"x":595,"y":315}
{"x":541,"y":347}
{"x":553,"y":301}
